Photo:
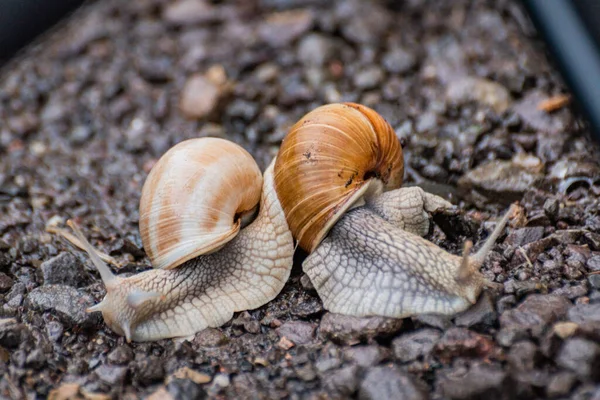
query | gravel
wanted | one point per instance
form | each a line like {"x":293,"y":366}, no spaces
{"x":89,"y":108}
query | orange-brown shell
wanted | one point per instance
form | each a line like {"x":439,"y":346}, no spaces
{"x":194,"y":198}
{"x":328,"y":161}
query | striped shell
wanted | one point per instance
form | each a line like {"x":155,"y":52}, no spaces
{"x":194,"y":199}
{"x":328,"y":161}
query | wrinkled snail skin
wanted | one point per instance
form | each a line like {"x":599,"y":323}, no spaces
{"x":245,"y":273}
{"x":367,"y":256}
{"x":369,"y":266}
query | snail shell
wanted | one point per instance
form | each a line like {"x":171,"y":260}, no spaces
{"x":195,"y":199}
{"x":329,"y":160}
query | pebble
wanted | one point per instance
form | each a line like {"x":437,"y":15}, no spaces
{"x":148,"y":369}
{"x":560,"y":384}
{"x":281,"y":28}
{"x":523,"y":355}
{"x":12,"y":333}
{"x":111,"y":374}
{"x":481,"y":315}
{"x":185,"y":389}
{"x":67,"y":303}
{"x":399,"y":61}
{"x":65,"y":269}
{"x":343,"y":381}
{"x":6,"y":282}
{"x":364,"y":356}
{"x":55,"y":330}
{"x":593,"y":263}
{"x":368,"y":78}
{"x":389,"y":383}
{"x":199,"y":97}
{"x":298,"y":332}
{"x":483,"y":91}
{"x":460,"y":342}
{"x":523,"y":236}
{"x":481,"y":381}
{"x":539,"y":120}
{"x":120,"y":355}
{"x":411,"y":346}
{"x":210,"y":337}
{"x":315,"y":49}
{"x":535,"y":313}
{"x":349,"y":329}
{"x":581,"y":356}
{"x":188,"y":12}
{"x":582,"y":313}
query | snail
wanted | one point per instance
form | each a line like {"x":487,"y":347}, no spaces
{"x":209,"y":259}
{"x":337,"y":175}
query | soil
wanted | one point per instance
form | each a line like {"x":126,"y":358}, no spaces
{"x":87,"y":110}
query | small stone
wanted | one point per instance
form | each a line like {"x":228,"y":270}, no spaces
{"x":67,"y":303}
{"x":583,"y":313}
{"x":327,"y":364}
{"x":188,"y":373}
{"x":533,"y":117}
{"x":482,"y":315}
{"x":64,"y":269}
{"x":551,"y":208}
{"x":593,"y":263}
{"x":120,"y":355}
{"x":147,"y":370}
{"x":306,"y":372}
{"x":35,"y":359}
{"x":411,"y":346}
{"x":389,"y":383}
{"x":399,"y":60}
{"x":535,"y":312}
{"x":210,"y":337}
{"x":280,"y":29}
{"x":55,"y":330}
{"x":5,"y":282}
{"x":460,"y":342}
{"x":560,"y":384}
{"x":189,"y":12}
{"x":297,"y":331}
{"x":480,"y":381}
{"x":364,"y":356}
{"x":565,"y":329}
{"x":221,"y":380}
{"x":594,"y":280}
{"x":184,"y":389}
{"x":349,"y":329}
{"x":12,"y":333}
{"x":315,"y":49}
{"x":442,"y":322}
{"x":306,"y":283}
{"x":199,"y":97}
{"x":483,"y":91}
{"x":343,"y":381}
{"x":111,"y":374}
{"x":523,"y":236}
{"x":285,"y":344}
{"x":161,"y":394}
{"x":581,"y":356}
{"x":368,"y":78}
{"x":522,"y":356}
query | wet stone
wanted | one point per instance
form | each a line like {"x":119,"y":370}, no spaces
{"x":389,"y":383}
{"x":483,"y":91}
{"x":482,"y":315}
{"x":581,"y":356}
{"x":355,"y":329}
{"x":481,"y":381}
{"x":66,"y":302}
{"x":297,"y":331}
{"x":411,"y":346}
{"x":185,"y":389}
{"x":64,"y":269}
{"x":364,"y":356}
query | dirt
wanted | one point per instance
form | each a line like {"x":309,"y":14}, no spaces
{"x":87,"y":110}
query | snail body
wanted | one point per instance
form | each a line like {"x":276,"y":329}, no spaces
{"x":199,"y":282}
{"x":363,"y":233}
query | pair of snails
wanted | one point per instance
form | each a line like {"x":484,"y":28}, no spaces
{"x":334,"y":187}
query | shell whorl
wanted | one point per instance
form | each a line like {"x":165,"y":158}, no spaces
{"x":328,"y":161}
{"x":194,"y":197}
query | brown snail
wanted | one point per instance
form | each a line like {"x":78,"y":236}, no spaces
{"x":194,"y":203}
{"x":337,"y":176}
